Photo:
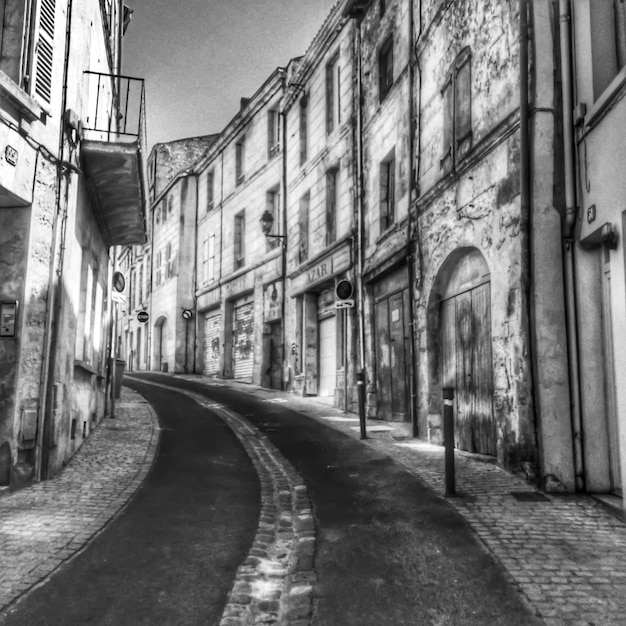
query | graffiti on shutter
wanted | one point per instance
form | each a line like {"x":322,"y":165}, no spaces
{"x":243,"y":341}
{"x":44,"y":50}
{"x":212,"y":346}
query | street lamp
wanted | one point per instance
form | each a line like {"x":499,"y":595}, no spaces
{"x":267,"y":222}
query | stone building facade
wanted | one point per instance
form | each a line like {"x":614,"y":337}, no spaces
{"x":239,"y":289}
{"x":442,"y":221}
{"x":64,"y":169}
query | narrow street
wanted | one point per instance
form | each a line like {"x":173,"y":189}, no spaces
{"x":387,"y":549}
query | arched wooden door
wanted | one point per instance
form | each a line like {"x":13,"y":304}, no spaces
{"x":466,"y":351}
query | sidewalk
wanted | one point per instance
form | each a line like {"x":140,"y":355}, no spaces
{"x":566,"y":554}
{"x":46,"y":524}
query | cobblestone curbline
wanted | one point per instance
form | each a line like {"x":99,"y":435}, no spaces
{"x":45,"y":525}
{"x":275,"y":582}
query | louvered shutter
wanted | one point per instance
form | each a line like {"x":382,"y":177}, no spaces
{"x":44,"y":50}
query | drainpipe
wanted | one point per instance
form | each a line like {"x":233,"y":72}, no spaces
{"x":568,"y":242}
{"x":46,"y":396}
{"x":361,"y":374}
{"x":194,"y":286}
{"x":526,"y":217}
{"x":412,"y":245}
{"x":283,"y":253}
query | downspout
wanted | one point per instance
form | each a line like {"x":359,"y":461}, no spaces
{"x":410,"y":242}
{"x":194,"y":286}
{"x":361,"y":373}
{"x":46,"y":399}
{"x":526,"y":217}
{"x":568,"y":243}
{"x":283,"y":253}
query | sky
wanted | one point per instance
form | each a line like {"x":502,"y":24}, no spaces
{"x":200,"y":57}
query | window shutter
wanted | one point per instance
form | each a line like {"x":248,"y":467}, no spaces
{"x":329,"y":98}
{"x":44,"y":50}
{"x":463,"y":107}
{"x":448,"y":124}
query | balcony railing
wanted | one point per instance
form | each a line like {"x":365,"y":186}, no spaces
{"x":116,"y":108}
{"x":114,"y":154}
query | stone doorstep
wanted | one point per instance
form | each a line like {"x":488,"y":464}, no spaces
{"x":612,"y":503}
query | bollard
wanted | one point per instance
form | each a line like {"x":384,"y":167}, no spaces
{"x":448,"y":439}
{"x":360,"y":383}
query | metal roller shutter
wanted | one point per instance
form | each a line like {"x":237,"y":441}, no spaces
{"x":243,"y":341}
{"x":328,"y":356}
{"x":212,"y":346}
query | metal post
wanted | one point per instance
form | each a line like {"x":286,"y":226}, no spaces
{"x":448,"y":439}
{"x":360,"y":384}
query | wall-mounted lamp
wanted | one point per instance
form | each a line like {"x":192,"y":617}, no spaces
{"x":267,"y":222}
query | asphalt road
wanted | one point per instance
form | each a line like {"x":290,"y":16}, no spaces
{"x":170,"y":557}
{"x":390,"y":552}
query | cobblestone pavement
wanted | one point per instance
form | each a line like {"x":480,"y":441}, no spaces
{"x":43,"y":526}
{"x":566,"y":554}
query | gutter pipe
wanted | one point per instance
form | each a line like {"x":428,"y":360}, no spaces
{"x":568,"y":243}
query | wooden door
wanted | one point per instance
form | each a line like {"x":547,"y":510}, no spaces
{"x":276,"y":356}
{"x":467,"y":366}
{"x":393,"y":366}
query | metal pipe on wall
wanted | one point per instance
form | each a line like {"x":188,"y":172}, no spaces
{"x":568,"y":242}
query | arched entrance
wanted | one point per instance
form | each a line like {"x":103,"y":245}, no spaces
{"x":462,"y":300}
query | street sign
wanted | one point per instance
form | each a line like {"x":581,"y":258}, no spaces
{"x":143,"y":316}
{"x":119,"y":282}
{"x":344,"y":304}
{"x":187,"y":314}
{"x":118,"y":297}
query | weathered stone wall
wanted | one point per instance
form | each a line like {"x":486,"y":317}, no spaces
{"x":476,"y":206}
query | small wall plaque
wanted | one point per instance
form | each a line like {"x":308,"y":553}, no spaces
{"x":8,"y":318}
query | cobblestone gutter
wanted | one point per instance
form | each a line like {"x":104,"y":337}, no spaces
{"x":274,"y":584}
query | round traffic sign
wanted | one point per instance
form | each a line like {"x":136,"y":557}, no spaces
{"x":143,"y":316}
{"x":187,"y":314}
{"x":119,"y":282}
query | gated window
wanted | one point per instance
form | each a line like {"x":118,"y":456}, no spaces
{"x":457,"y":106}
{"x":273,"y":133}
{"x":387,"y":191}
{"x":331,"y":205}
{"x":239,"y":234}
{"x":385,"y":68}
{"x":333,"y":100}
{"x":303,"y":227}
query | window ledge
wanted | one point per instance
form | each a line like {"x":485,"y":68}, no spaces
{"x":613,"y":92}
{"x":28,"y":107}
{"x":83,"y":365}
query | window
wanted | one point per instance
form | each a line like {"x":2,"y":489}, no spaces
{"x":272,"y":204}
{"x":457,"y":104}
{"x":170,"y":205}
{"x":303,"y":227}
{"x":133,"y":292}
{"x":240,"y":156}
{"x":170,"y":268}
{"x":333,"y":102}
{"x":273,"y":133}
{"x":239,"y":235}
{"x":140,"y":284}
{"x":159,"y":268}
{"x":39,"y":48}
{"x":210,"y":190}
{"x":331,"y":206}
{"x":211,"y":259}
{"x":608,"y":41}
{"x":89,"y":322}
{"x":304,"y":123}
{"x":382,"y":6}
{"x":387,"y":192}
{"x":385,"y":68}
{"x":148,"y":275}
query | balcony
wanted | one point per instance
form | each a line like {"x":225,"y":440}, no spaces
{"x":113,"y":155}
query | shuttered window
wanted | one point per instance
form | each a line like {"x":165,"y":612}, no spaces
{"x":239,"y":236}
{"x":387,"y":191}
{"x":457,"y":107}
{"x":44,"y":50}
{"x":331,"y":206}
{"x":304,"y":127}
{"x":273,"y":133}
{"x":385,"y":68}
{"x":333,"y":102}
{"x":303,"y":227}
